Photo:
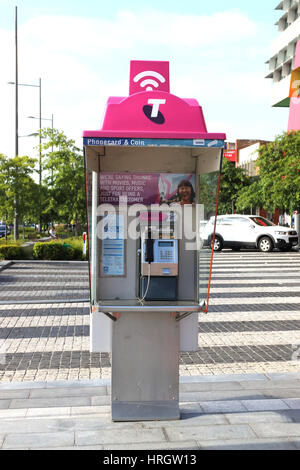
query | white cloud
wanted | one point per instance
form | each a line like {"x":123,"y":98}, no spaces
{"x":82,"y":61}
{"x":91,"y":36}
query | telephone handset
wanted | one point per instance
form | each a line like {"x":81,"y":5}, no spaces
{"x":149,"y":253}
{"x":149,"y":258}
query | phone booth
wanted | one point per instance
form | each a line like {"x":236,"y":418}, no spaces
{"x":152,"y":175}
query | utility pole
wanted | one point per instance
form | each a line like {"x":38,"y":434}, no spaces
{"x":40,"y":155}
{"x":16,"y":222}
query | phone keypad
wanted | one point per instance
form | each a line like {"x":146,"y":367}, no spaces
{"x":166,"y":255}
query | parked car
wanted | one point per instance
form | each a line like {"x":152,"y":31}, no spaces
{"x":249,"y":231}
{"x":2,"y":231}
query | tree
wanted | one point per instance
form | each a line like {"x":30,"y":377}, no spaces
{"x":208,"y":193}
{"x":232,"y":181}
{"x":279,"y":170}
{"x":250,"y":197}
{"x":64,"y":165}
{"x":16,"y":184}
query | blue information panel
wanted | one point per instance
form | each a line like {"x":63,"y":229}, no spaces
{"x":135,"y":142}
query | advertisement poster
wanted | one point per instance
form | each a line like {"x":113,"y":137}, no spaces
{"x":147,"y":188}
{"x":113,"y":246}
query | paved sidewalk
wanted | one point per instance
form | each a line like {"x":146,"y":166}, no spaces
{"x":253,"y":325}
{"x":255,"y":411}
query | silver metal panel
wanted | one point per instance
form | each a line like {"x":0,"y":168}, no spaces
{"x":93,"y":238}
{"x":138,"y":411}
{"x":145,"y":366}
{"x":186,"y":277}
{"x":133,"y":305}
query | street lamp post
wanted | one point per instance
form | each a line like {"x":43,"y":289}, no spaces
{"x":16,"y":222}
{"x":44,"y":119}
{"x":17,"y":84}
{"x":40,"y":137}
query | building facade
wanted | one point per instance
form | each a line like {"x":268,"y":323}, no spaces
{"x":283,"y":52}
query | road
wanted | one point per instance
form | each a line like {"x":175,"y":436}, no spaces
{"x":253,"y":325}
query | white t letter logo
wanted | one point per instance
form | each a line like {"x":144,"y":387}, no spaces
{"x":155,"y":107}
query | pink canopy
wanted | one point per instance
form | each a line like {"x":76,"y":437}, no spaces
{"x":151,"y":111}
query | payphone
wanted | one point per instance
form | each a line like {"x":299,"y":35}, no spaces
{"x":159,"y":264}
{"x":147,"y":290}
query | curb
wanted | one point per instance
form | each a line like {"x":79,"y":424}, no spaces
{"x":5,"y":264}
{"x":39,"y":261}
{"x":44,"y":301}
{"x":182,"y":380}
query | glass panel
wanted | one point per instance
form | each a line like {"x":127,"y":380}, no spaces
{"x":117,"y":269}
{"x":208,"y":190}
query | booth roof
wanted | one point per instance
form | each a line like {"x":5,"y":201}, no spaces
{"x":153,"y":115}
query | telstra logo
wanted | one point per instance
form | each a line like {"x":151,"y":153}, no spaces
{"x":149,"y":83}
{"x":152,"y":112}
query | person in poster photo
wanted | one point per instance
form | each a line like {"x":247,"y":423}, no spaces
{"x":185,"y":193}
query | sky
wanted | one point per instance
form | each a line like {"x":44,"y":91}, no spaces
{"x":81,"y":50}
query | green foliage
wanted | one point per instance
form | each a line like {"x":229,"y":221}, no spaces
{"x":11,"y":252}
{"x":250,"y":197}
{"x":64,"y":167}
{"x":233,"y":180}
{"x":208,"y":193}
{"x":58,"y":250}
{"x":279,"y":170}
{"x":18,"y":191}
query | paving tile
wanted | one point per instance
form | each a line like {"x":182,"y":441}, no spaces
{"x":296,"y":442}
{"x":38,"y":440}
{"x":259,"y":417}
{"x":71,"y":448}
{"x":282,"y":393}
{"x":203,"y":433}
{"x":264,"y":405}
{"x":109,"y":436}
{"x":42,"y":412}
{"x":34,"y":424}
{"x":284,"y":376}
{"x":248,"y":444}
{"x":50,"y":402}
{"x":99,"y":401}
{"x":224,"y":378}
{"x":271,"y":384}
{"x":78,"y":383}
{"x":90,"y":410}
{"x":188,"y":419}
{"x":21,"y":385}
{"x":277,"y":429}
{"x":68,"y":392}
{"x":222,"y":406}
{"x":220,"y":395}
{"x":28,"y":425}
{"x":293,"y":403}
{"x":209,"y":386}
{"x":182,"y":445}
{"x":186,"y":407}
{"x":9,"y":414}
{"x":292,"y":415}
{"x":9,"y":394}
{"x":4,"y":404}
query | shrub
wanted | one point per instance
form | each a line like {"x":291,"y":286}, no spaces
{"x":56,"y":250}
{"x":11,"y":252}
{"x":77,"y":244}
{"x":51,"y":251}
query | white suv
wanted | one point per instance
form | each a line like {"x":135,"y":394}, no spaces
{"x":248,"y":231}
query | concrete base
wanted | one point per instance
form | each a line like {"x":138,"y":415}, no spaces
{"x":142,"y":411}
